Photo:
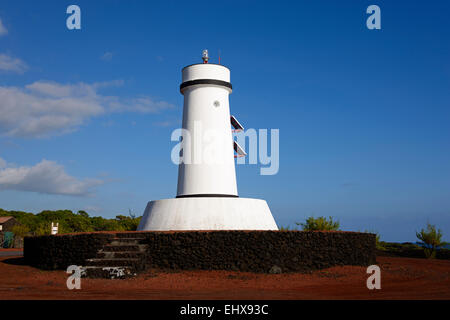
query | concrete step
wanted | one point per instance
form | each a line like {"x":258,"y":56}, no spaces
{"x":122,"y":257}
{"x":119,"y":254}
{"x":140,"y":235}
{"x":113,"y":272}
{"x":124,"y":247}
{"x":125,"y":241}
{"x":116,"y":262}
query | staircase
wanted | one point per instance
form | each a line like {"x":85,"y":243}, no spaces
{"x":122,"y":257}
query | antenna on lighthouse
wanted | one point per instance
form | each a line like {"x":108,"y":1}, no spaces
{"x":205,"y":56}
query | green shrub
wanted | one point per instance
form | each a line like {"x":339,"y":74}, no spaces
{"x":286,"y":228}
{"x":379,"y":244}
{"x":20,"y":230}
{"x":43,"y":229}
{"x":319,"y":224}
{"x":431,"y":239}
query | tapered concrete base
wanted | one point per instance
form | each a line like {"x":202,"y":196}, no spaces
{"x":207,"y":213}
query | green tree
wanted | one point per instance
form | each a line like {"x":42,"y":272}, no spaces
{"x":431,"y":239}
{"x":20,"y":230}
{"x":319,"y":224}
{"x":83,"y":213}
{"x":69,"y":222}
{"x":42,"y":229}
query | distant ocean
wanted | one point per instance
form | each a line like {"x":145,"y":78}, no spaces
{"x":446,"y":246}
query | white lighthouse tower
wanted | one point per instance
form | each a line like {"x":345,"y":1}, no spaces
{"x":207,"y":196}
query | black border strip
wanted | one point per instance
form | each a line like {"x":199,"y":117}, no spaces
{"x":205,"y":81}
{"x":206,"y":195}
{"x":276,"y":309}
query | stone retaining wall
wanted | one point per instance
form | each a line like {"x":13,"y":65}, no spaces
{"x":254,"y":251}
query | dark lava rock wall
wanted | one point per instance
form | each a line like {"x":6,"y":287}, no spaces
{"x":61,"y":251}
{"x":254,"y":251}
{"x":259,"y":251}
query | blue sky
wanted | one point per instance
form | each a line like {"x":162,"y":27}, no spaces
{"x":363,"y":114}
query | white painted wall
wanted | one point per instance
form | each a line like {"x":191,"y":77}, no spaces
{"x":205,"y":71}
{"x":207,"y":214}
{"x":202,"y":117}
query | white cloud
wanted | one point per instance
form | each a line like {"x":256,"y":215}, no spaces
{"x":44,"y":108}
{"x":3,"y":30}
{"x":44,"y":177}
{"x":140,"y":105}
{"x":107,"y":56}
{"x":10,"y":64}
{"x":167,"y":123}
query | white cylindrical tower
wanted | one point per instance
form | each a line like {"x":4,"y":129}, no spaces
{"x":207,"y":168}
{"x":207,"y":197}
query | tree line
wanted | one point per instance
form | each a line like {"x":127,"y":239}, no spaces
{"x":69,"y":222}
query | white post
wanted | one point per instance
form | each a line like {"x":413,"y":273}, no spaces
{"x":55,"y":228}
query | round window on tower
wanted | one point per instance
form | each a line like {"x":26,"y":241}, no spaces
{"x":216,"y":103}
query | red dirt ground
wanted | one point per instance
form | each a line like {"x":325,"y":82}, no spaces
{"x":401,"y":278}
